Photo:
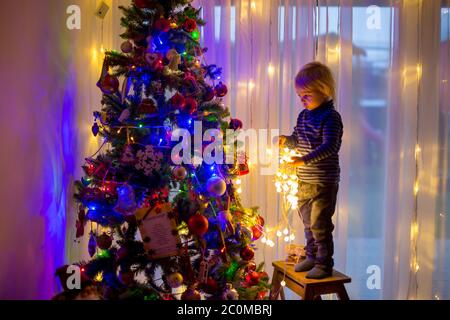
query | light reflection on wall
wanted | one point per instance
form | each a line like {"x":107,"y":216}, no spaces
{"x":48,"y":95}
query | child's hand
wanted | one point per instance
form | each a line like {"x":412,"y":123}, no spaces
{"x":297,"y":161}
{"x":281,"y":141}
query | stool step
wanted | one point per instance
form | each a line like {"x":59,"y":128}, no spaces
{"x":306,"y":288}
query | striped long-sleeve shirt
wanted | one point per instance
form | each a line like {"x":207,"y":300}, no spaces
{"x":317,"y":137}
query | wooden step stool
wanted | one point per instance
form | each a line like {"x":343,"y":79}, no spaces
{"x":307,"y":289}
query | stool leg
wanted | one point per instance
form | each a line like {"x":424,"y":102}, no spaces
{"x":309,"y":293}
{"x":342,"y":293}
{"x":283,"y":297}
{"x":276,"y":286}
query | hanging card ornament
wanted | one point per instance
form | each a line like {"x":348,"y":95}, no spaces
{"x":203,"y":273}
{"x":126,"y":204}
{"x":158,"y":230}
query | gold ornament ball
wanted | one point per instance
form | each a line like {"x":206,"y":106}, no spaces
{"x":175,"y":280}
{"x":179,"y":173}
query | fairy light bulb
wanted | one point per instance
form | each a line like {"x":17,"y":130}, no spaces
{"x":270,"y":69}
{"x":286,"y":239}
{"x":279,"y":233}
{"x":238,"y":181}
{"x":285,"y":231}
{"x":283,"y":283}
{"x":264,"y":240}
{"x":292,"y":236}
{"x":239,"y":190}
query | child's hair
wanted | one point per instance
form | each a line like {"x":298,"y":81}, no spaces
{"x":316,"y":77}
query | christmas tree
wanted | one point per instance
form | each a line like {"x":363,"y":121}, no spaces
{"x":161,"y":228}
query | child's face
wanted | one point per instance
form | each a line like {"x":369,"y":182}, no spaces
{"x":310,"y":99}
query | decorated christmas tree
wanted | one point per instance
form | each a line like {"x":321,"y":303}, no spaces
{"x":161,"y":228}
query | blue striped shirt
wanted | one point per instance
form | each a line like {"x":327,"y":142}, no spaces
{"x":317,"y":137}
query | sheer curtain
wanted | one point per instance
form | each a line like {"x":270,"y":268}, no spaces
{"x":390,"y":59}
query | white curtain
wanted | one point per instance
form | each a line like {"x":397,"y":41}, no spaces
{"x":48,"y":96}
{"x":390,"y":59}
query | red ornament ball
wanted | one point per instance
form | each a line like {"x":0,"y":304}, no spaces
{"x":127,"y":278}
{"x":191,"y":105}
{"x":261,"y":221}
{"x":141,"y":4}
{"x":236,"y":124}
{"x":257,"y":233}
{"x":247,"y":253}
{"x":250,"y":267}
{"x":147,"y":106}
{"x":162,"y":25}
{"x":191,"y":294}
{"x":122,"y":253}
{"x":190,"y":25}
{"x":252,"y":278}
{"x":104,"y":241}
{"x":263,"y":275}
{"x":261,"y":295}
{"x":126,"y":47}
{"x":109,"y":84}
{"x":178,"y":101}
{"x":221,"y":90}
{"x":210,"y":286}
{"x":209,"y":94}
{"x":198,"y":225}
